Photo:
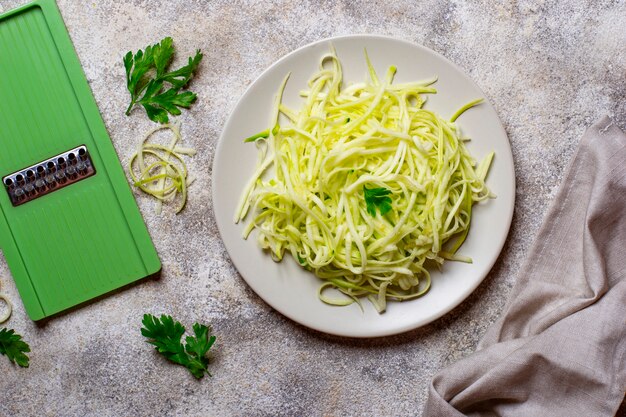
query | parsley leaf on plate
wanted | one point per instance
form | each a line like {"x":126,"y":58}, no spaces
{"x":377,"y":198}
{"x":154,"y":87}
{"x":12,"y":345}
{"x":165,"y":334}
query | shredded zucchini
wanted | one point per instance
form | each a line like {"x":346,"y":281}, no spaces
{"x":363,"y":186}
{"x":166,"y":175}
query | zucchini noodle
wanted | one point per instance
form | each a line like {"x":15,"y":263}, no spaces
{"x":363,"y":186}
{"x":167,"y":175}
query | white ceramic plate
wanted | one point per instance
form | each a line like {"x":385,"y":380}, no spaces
{"x":293,"y":291}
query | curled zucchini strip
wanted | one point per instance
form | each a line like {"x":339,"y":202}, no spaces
{"x":8,"y":309}
{"x":167,"y":176}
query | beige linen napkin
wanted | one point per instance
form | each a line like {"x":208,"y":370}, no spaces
{"x":560,"y":348}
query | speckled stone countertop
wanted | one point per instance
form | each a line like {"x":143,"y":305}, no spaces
{"x":549,"y":68}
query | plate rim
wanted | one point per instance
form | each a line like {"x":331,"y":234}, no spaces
{"x":509,"y":215}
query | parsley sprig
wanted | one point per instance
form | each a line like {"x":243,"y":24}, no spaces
{"x":165,"y":334}
{"x":377,"y":198}
{"x":147,"y":79}
{"x":12,"y":345}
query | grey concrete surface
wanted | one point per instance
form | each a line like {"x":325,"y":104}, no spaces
{"x":549,"y":68}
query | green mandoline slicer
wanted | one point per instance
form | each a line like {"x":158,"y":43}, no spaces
{"x":69,"y":227}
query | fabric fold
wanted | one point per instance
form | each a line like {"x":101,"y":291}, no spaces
{"x":559,"y":349}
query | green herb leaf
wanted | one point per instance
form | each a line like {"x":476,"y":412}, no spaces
{"x":165,"y":334}
{"x":147,"y":75}
{"x":163,"y":53}
{"x":377,"y":198}
{"x":169,"y":100}
{"x":12,"y":345}
{"x":181,"y":77}
{"x":197,"y":347}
